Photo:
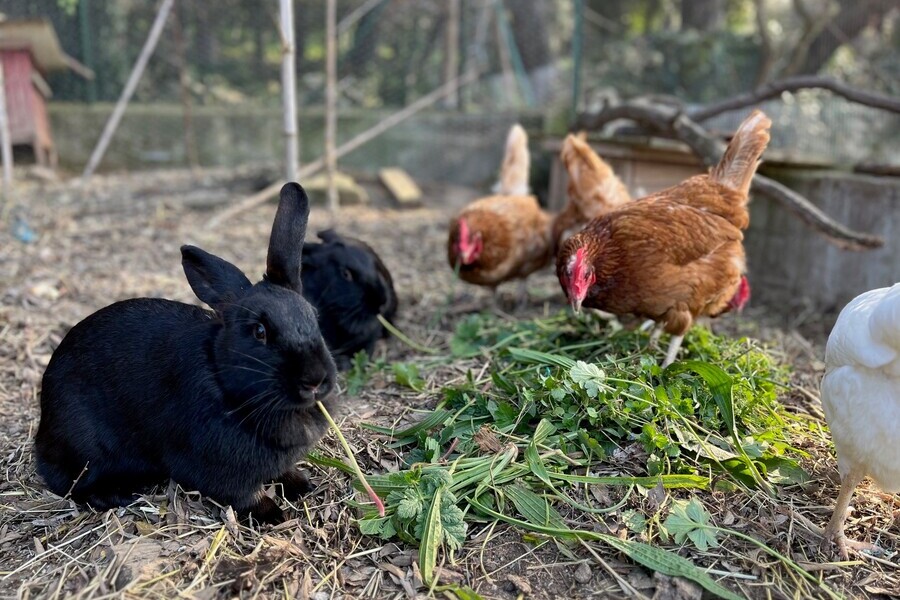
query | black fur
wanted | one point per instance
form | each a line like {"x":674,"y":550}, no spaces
{"x":147,"y":388}
{"x":349,"y":286}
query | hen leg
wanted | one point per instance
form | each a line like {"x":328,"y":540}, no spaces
{"x":835,"y":530}
{"x":657,"y":332}
{"x":674,"y":347}
{"x":522,"y":293}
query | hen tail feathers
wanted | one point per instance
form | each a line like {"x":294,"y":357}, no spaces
{"x":742,"y":157}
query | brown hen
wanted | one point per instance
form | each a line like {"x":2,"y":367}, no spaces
{"x":593,"y":190}
{"x":503,"y":237}
{"x":675,"y":255}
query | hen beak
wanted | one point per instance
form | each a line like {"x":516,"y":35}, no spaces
{"x":576,"y":305}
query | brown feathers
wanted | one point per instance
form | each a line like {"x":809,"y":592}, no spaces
{"x":674,"y":255}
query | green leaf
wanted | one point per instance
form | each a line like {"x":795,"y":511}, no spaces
{"x":358,"y":375}
{"x":689,"y":520}
{"x":382,"y":527}
{"x":410,"y":506}
{"x":543,"y":430}
{"x":669,"y":563}
{"x":720,"y":384}
{"x":452,"y":521}
{"x":533,"y":507}
{"x":634,"y":521}
{"x":504,"y":413}
{"x":722,"y":387}
{"x":461,"y":592}
{"x":432,"y":533}
{"x":536,"y":464}
{"x":589,"y":377}
{"x":407,"y":375}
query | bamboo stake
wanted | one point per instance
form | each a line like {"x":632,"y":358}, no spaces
{"x":331,"y":103}
{"x":5,"y":140}
{"x":451,"y":61}
{"x":190,"y":140}
{"x":289,"y":88}
{"x":347,"y":147}
{"x":133,"y":79}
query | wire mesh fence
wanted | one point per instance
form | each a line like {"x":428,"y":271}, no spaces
{"x":702,"y":51}
{"x":211,"y":92}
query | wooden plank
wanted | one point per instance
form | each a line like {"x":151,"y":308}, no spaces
{"x":401,"y":186}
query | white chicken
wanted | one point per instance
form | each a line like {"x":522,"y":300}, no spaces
{"x":861,"y":397}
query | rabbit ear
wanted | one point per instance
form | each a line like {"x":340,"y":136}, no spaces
{"x":286,"y":241}
{"x":214,"y":280}
{"x":330,"y":236}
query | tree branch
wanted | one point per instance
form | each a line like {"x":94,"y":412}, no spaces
{"x":793,"y":84}
{"x":671,"y":122}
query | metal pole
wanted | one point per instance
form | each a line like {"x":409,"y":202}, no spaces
{"x":130,"y":86}
{"x":577,"y":51}
{"x":5,"y":139}
{"x":289,"y":90}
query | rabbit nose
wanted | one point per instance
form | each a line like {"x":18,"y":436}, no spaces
{"x":312,"y":386}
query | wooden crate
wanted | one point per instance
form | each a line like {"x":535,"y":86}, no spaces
{"x":643,"y":166}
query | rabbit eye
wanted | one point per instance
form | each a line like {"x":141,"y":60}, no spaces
{"x":259,"y":332}
{"x":346,"y":274}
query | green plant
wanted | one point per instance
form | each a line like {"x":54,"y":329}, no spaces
{"x":563,"y":397}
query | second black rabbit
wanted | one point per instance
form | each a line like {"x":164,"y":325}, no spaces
{"x":349,"y":285}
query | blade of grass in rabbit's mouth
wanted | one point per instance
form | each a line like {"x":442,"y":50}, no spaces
{"x":362,"y":478}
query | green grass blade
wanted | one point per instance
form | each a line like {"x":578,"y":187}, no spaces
{"x":434,"y":419}
{"x":541,"y":358}
{"x":668,"y":481}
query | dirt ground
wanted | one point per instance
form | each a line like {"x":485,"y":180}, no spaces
{"x":120,"y":239}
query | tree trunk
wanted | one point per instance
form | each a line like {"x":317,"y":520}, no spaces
{"x":529,"y":25}
{"x":702,"y":15}
{"x":365,"y":38}
{"x":853,"y":18}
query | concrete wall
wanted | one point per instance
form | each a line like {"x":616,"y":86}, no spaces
{"x":432,"y":146}
{"x":789,"y":263}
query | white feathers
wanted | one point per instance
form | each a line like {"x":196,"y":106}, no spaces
{"x":861,"y":387}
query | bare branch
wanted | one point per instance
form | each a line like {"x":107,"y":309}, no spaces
{"x":670,"y":122}
{"x":793,"y":84}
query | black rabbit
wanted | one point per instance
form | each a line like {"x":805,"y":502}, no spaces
{"x":222,"y":402}
{"x":349,"y":286}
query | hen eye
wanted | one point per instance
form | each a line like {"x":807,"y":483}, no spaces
{"x":346,"y":274}
{"x":259,"y":332}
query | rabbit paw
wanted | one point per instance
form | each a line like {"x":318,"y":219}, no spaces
{"x":295,"y":484}
{"x":266,"y":510}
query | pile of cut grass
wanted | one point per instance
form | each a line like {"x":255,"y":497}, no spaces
{"x":561,"y":405}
